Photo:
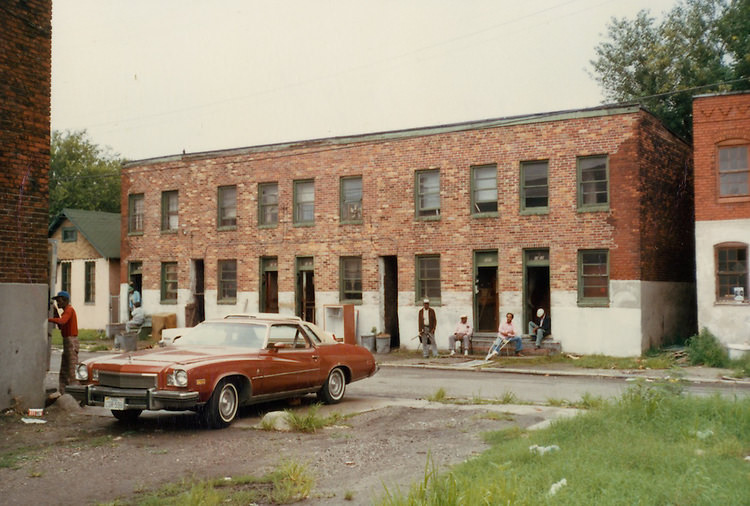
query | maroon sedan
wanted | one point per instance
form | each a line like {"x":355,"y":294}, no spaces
{"x":220,"y":365}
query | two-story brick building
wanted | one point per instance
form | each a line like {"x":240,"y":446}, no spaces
{"x":585,"y":213}
{"x":721,"y":138}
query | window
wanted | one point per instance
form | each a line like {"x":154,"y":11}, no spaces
{"x":428,"y":193}
{"x":593,"y":183}
{"x":169,"y":282}
{"x":268,"y":204}
{"x":227,"y":271}
{"x":351,"y":199}
{"x":65,"y":276}
{"x":731,"y":272}
{"x":135,"y":213}
{"x":304,"y":202}
{"x":734,"y":173}
{"x":351,"y":279}
{"x":428,"y":278}
{"x":90,"y":282}
{"x":227,"y":206}
{"x":69,"y":234}
{"x":484,"y":189}
{"x":169,"y":211}
{"x":534,"y":186}
{"x":593,"y":277}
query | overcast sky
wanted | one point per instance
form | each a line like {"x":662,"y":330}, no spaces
{"x":156,"y":77}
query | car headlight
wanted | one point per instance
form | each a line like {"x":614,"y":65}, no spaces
{"x":82,"y":372}
{"x":177,"y":378}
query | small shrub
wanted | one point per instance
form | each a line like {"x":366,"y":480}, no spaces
{"x":705,"y":349}
{"x":309,"y":421}
{"x":438,"y":396}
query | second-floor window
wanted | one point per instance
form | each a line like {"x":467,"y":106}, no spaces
{"x":227,"y":206}
{"x":304,"y":202}
{"x":227,"y":281}
{"x":534,"y":186}
{"x":268,"y":204}
{"x":484,"y":189}
{"x":169,"y":211}
{"x":734,"y":173}
{"x":351,"y":199}
{"x":593,"y":183}
{"x":428,"y":193}
{"x":135,"y":213}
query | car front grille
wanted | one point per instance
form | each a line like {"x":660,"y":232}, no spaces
{"x":122,"y":380}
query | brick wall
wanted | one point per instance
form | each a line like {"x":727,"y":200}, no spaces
{"x":25,"y":52}
{"x":718,"y":119}
{"x":388,"y":165}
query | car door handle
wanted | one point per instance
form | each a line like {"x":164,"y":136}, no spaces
{"x":315,"y":357}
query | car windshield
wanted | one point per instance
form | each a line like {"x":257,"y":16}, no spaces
{"x":246,"y":335}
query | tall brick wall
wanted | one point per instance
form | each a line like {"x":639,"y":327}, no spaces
{"x":25,"y":67}
{"x":718,"y":119}
{"x":388,"y":168}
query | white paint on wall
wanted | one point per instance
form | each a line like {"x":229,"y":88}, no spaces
{"x":728,"y":321}
{"x":91,"y":315}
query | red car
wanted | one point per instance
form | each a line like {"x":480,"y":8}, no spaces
{"x":220,"y":365}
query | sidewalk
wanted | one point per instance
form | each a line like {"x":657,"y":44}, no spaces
{"x":521,"y":365}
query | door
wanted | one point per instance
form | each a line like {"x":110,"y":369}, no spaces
{"x":390,"y":298}
{"x":289,"y":361}
{"x":269,"y":285}
{"x":305,"y":292}
{"x":196,"y":312}
{"x":536,"y":283}
{"x":486,"y":299}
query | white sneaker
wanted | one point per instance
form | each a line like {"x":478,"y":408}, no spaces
{"x":466,"y":352}
{"x":452,"y":353}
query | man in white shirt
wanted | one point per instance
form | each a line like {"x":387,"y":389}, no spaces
{"x":462,"y":334}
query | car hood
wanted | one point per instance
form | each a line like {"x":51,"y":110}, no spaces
{"x":174,"y":355}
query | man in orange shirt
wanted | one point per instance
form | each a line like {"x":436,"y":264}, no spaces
{"x":68,"y":324}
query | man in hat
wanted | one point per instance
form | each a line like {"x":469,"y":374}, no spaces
{"x":540,"y":328}
{"x":133,"y":297}
{"x":462,"y":334}
{"x":68,"y":324}
{"x":427,"y":324}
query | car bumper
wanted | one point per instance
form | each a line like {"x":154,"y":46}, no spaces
{"x":135,"y":398}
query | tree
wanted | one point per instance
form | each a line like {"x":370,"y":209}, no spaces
{"x":701,"y":46}
{"x":82,"y":175}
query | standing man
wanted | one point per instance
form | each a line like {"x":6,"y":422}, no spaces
{"x":542,"y":327}
{"x":506,"y":334}
{"x":68,"y":324}
{"x":462,"y":333}
{"x":427,"y":324}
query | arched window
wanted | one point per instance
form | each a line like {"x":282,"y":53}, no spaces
{"x":731,"y":272}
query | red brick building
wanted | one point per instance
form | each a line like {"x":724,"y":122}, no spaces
{"x":25,"y":75}
{"x":585,"y":213}
{"x":721,"y":143}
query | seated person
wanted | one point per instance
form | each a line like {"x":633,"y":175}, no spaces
{"x":462,"y":334}
{"x":540,"y":328}
{"x":136,"y":321}
{"x":506,"y":334}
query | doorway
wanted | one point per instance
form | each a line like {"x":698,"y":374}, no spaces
{"x":269,"y":285}
{"x":536,"y":282}
{"x":390,"y":299}
{"x":196,"y":312}
{"x":486,"y":300}
{"x":305,"y":289}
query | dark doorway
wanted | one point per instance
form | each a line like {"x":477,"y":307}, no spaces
{"x":196,"y":311}
{"x":305,"y":289}
{"x":537,"y":286}
{"x":390,"y":299}
{"x":269,"y":287}
{"x":486,"y":299}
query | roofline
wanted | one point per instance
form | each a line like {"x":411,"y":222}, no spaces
{"x":63,"y":215}
{"x":603,"y":110}
{"x":722,"y":93}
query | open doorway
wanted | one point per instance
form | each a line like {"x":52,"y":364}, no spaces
{"x":390,"y":299}
{"x":305,"y":291}
{"x":269,"y":285}
{"x":195,"y":312}
{"x":536,"y":284}
{"x":486,"y":298}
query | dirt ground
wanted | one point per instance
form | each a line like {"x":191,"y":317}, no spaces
{"x":87,"y":458}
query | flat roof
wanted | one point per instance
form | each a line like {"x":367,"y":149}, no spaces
{"x":603,"y":110}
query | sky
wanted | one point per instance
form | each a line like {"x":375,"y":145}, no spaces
{"x":149,"y":78}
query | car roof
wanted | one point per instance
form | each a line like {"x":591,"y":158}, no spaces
{"x":262,"y":316}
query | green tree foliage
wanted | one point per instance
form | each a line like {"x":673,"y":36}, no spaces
{"x":82,"y":175}
{"x":701,"y":46}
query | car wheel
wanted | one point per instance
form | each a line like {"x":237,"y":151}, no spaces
{"x":334,"y":387}
{"x":127,"y":415}
{"x":221,"y":408}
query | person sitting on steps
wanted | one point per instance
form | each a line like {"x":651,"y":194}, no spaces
{"x":541,"y":328}
{"x":506,"y":334}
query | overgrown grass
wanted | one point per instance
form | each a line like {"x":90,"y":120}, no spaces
{"x":651,"y":446}
{"x":705,"y":349}
{"x":288,"y":483}
{"x":85,"y":336}
{"x":310,"y":420}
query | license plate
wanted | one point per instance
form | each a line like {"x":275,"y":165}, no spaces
{"x":114,"y":402}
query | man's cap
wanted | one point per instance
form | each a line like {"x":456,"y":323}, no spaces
{"x":62,"y":293}
{"x":539,"y":312}
{"x":426,"y":301}
{"x":464,"y":316}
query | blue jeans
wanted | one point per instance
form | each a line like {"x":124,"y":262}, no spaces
{"x":499,"y":342}
{"x":536,"y":330}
